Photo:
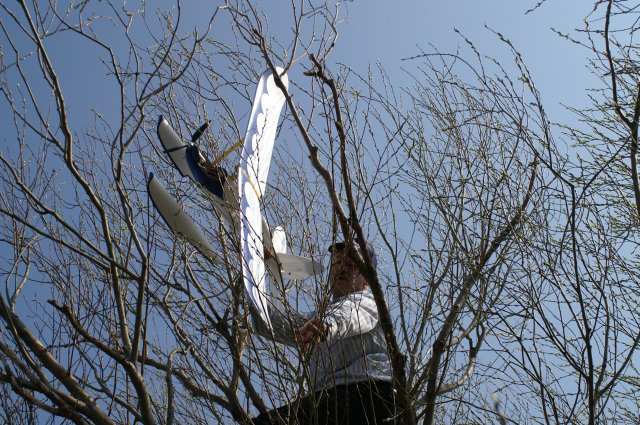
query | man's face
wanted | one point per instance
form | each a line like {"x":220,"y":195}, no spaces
{"x":344,"y":275}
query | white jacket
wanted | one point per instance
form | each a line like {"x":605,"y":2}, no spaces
{"x":354,"y":349}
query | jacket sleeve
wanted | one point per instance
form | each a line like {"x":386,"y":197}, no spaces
{"x":284,"y":324}
{"x":354,"y":315}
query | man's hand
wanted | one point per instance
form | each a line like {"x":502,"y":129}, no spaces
{"x":311,"y":333}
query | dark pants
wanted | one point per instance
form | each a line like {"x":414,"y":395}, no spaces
{"x":366,"y":403}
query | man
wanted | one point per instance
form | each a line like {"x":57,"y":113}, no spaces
{"x":349,"y":364}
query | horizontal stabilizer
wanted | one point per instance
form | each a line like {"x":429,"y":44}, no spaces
{"x":295,"y":267}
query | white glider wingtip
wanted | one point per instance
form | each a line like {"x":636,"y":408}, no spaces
{"x":178,"y":220}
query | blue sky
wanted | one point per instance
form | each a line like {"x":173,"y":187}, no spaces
{"x":389,"y":32}
{"x":396,"y":30}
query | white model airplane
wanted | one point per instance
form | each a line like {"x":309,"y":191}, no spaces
{"x":236,"y":199}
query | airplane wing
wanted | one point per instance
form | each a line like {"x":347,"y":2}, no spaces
{"x":178,"y":220}
{"x":252,"y":178}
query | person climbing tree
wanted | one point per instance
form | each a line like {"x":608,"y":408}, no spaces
{"x":351,"y":372}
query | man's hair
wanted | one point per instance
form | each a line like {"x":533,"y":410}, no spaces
{"x":341,"y":246}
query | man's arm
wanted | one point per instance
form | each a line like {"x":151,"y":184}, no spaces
{"x":354,"y":315}
{"x":285,"y":326}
